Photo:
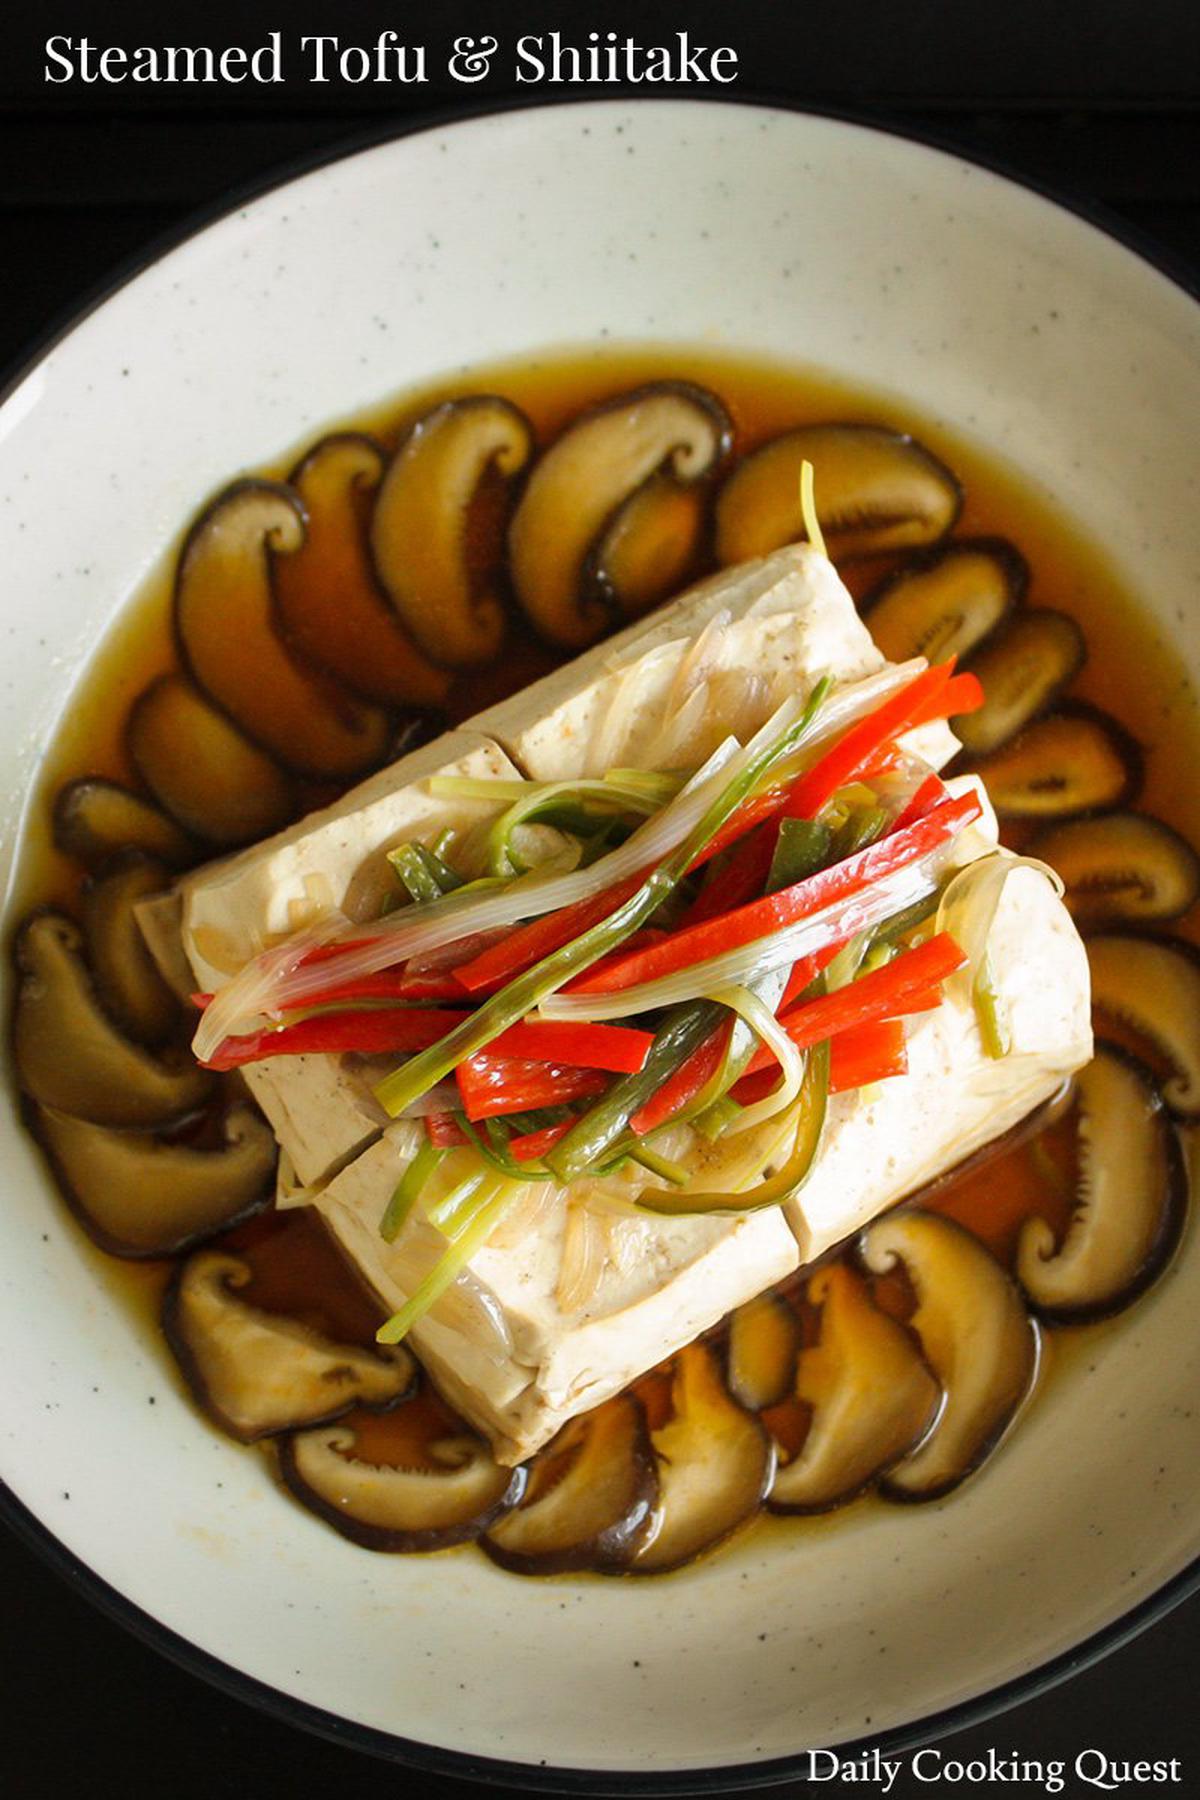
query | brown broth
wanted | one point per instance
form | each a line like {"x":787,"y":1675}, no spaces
{"x":295,"y":1269}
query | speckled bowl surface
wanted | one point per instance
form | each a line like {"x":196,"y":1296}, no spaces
{"x":884,"y":261}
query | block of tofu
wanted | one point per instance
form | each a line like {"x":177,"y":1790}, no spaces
{"x":506,"y":1347}
{"x":667,"y":690}
{"x":321,"y":1108}
{"x":662,"y":693}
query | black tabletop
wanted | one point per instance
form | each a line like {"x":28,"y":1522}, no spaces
{"x":1098,"y":100}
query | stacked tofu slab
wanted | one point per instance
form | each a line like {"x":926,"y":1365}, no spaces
{"x":574,"y":1297}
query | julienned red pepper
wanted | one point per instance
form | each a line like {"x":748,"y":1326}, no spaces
{"x":855,"y":748}
{"x":533,"y":1144}
{"x":444,"y":1131}
{"x":493,"y":1085}
{"x":681,"y":1088}
{"x":775,"y":911}
{"x":930,"y":793}
{"x":963,"y":693}
{"x":742,"y":879}
{"x":396,"y":1029}
{"x":882,"y":994}
{"x":857,"y":1057}
{"x":618,"y":1049}
{"x":527,"y":945}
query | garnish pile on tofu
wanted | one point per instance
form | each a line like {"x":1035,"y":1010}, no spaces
{"x":585,"y":1024}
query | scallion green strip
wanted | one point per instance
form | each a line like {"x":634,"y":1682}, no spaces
{"x":488,"y":1208}
{"x":785,"y":1182}
{"x":408,"y":1190}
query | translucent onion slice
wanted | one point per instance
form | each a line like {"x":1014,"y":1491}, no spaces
{"x":967,"y":911}
{"x":762,"y":1020}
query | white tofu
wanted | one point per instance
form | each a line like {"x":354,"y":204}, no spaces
{"x":666,"y":691}
{"x":658,"y":694}
{"x":664,"y":1281}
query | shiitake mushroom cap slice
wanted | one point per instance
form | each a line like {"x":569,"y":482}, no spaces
{"x":872,"y":1396}
{"x":1151,"y":987}
{"x":715,"y":1464}
{"x":400,"y":1509}
{"x":422,"y":538}
{"x":256,"y":1373}
{"x":875,"y":490}
{"x":591,"y":1497}
{"x":127,"y":978}
{"x":71,"y":1056}
{"x":579,"y":488}
{"x":764,"y":1340}
{"x":225,"y":619}
{"x":1074,"y":760}
{"x":945,"y":602}
{"x":1023,"y":670}
{"x":976,"y":1336}
{"x":95,"y":818}
{"x":204,"y":771}
{"x":648,"y":549}
{"x":1121,"y":868}
{"x":330,"y":603}
{"x":1131,"y":1197}
{"x":138,"y":1196}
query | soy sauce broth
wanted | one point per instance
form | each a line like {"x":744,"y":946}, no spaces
{"x":1130,"y":671}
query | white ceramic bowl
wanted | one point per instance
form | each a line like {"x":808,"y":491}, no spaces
{"x":881,"y":259}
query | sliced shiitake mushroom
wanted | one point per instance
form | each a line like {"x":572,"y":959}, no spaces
{"x":421,"y":526}
{"x":69,"y":1053}
{"x":139,"y":1196}
{"x":872,"y":1396}
{"x":976,"y":1335}
{"x":649,"y":549}
{"x":1131,"y":1190}
{"x":127,"y":977}
{"x":1151,"y":986}
{"x":764,"y":1338}
{"x":1023,"y":671}
{"x":94,"y":818}
{"x":591,"y":1496}
{"x":874,"y":489}
{"x":947,"y":601}
{"x":1123,"y":867}
{"x":206,"y":772}
{"x":258,"y":1373}
{"x":715,"y":1463}
{"x":1075,"y":760}
{"x":330,"y":603}
{"x":225,"y":617}
{"x":579,"y":489}
{"x":383,"y":1507}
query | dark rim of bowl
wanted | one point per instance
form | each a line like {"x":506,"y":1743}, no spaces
{"x":247,"y":1688}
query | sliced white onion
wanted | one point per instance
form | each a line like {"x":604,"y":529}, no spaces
{"x":763,"y":1022}
{"x":968,"y":908}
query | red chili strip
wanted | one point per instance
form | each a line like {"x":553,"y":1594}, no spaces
{"x":864,"y":740}
{"x":742,"y":879}
{"x":681,"y":1088}
{"x":773,"y":912}
{"x":618,"y":1049}
{"x":962,"y":694}
{"x":528,"y":944}
{"x":444,"y":1131}
{"x":930,"y":794}
{"x":373,"y":1033}
{"x":492,"y":1085}
{"x":880,"y":995}
{"x":867,"y":1053}
{"x":534,"y":1144}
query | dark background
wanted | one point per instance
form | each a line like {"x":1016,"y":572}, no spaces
{"x":1099,"y":99}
